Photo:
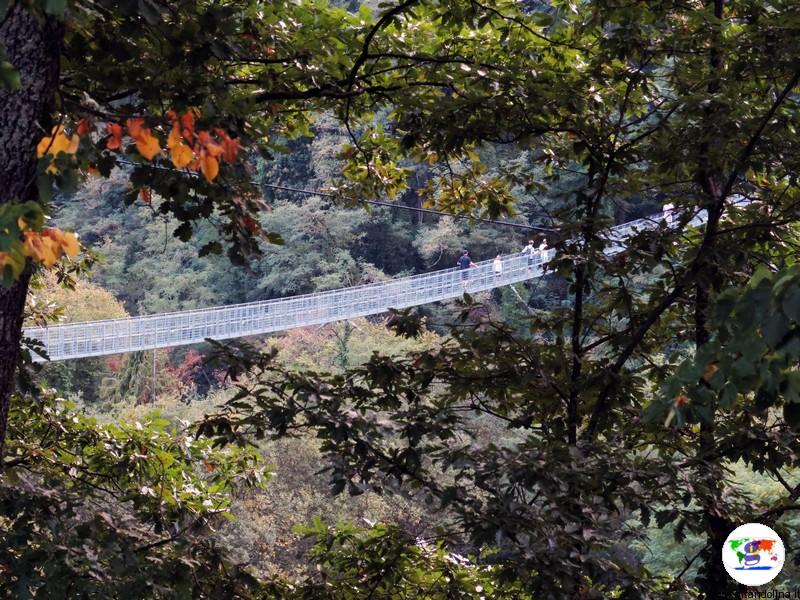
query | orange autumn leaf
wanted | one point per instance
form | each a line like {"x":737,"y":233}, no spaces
{"x":146,"y":195}
{"x":62,"y":241}
{"x":115,"y":132}
{"x":66,"y":144}
{"x":43,"y":146}
{"x":181,"y":155}
{"x":209,"y":166}
{"x":58,"y":142}
{"x":40,"y":248}
{"x":136,"y":127}
{"x":230,"y":146}
{"x":84,"y":127}
{"x":214,"y":149}
{"x":147,"y":144}
{"x":69,"y":244}
{"x":174,"y":137}
{"x":230,"y":149}
{"x":187,"y":122}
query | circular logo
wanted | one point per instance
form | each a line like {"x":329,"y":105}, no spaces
{"x":753,"y":554}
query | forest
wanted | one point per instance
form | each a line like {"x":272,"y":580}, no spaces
{"x":596,"y":432}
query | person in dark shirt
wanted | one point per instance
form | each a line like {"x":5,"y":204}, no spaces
{"x":464,"y":263}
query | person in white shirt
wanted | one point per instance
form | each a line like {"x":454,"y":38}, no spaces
{"x":498,"y":267}
{"x":669,"y":213}
{"x":530,"y":252}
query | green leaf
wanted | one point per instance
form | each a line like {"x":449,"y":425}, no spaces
{"x":775,"y":328}
{"x":791,"y":303}
{"x":210,"y":248}
{"x":55,"y":7}
{"x":791,"y":414}
{"x":275,"y":238}
{"x":183,"y":232}
{"x":9,"y":76}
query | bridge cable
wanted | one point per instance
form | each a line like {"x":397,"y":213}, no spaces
{"x":429,"y":211}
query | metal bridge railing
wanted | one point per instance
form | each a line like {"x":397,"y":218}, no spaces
{"x":116,"y":336}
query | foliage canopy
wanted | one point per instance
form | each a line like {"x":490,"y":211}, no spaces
{"x":693,"y":103}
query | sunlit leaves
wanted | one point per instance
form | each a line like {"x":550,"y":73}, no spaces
{"x":88,"y":146}
{"x":22,"y":236}
{"x":58,"y":142}
{"x":209,"y":166}
{"x":48,"y":245}
{"x":146,"y":143}
{"x":396,"y":566}
{"x":180,"y":154}
{"x":114,"y":131}
{"x":188,"y":148}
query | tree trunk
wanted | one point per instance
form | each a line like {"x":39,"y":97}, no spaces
{"x":713,"y":580}
{"x":34,"y":48}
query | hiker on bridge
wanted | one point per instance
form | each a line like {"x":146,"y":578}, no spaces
{"x":464,"y":263}
{"x":530,"y":252}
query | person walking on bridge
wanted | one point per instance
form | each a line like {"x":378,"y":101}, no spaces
{"x":530,"y":252}
{"x":465,"y":263}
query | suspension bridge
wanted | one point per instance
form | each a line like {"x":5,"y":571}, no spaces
{"x":148,"y":332}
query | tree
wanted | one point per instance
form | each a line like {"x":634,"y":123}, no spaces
{"x":83,"y":301}
{"x":119,"y":511}
{"x":234,"y":74}
{"x":33,"y":48}
{"x":693,"y":103}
